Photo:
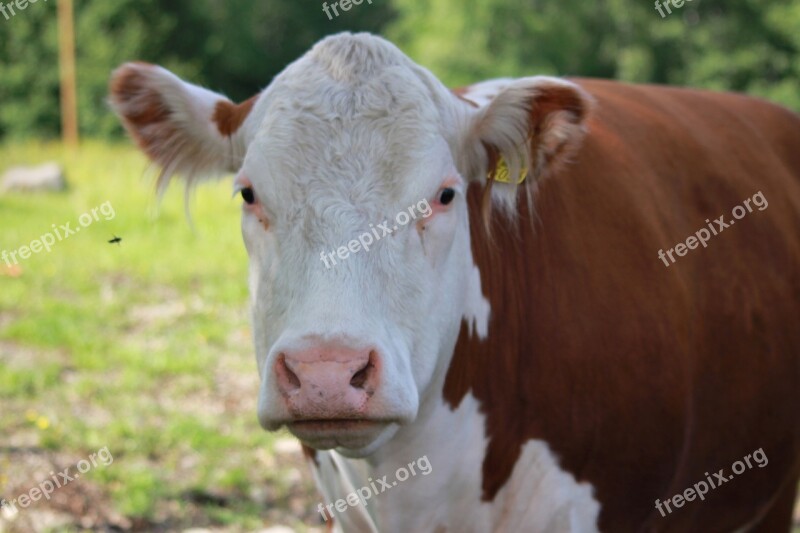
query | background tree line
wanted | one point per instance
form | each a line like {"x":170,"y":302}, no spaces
{"x":237,"y":46}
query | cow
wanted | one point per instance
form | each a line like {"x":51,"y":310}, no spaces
{"x":524,"y":337}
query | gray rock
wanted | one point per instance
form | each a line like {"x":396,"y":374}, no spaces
{"x":47,"y":177}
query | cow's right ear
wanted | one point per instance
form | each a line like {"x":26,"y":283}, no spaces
{"x":183,"y":128}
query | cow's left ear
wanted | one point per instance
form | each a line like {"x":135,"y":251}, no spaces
{"x":529,"y":129}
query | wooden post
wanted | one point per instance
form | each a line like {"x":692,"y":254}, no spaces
{"x":66,"y":63}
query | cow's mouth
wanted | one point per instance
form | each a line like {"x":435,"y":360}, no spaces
{"x":337,"y":432}
{"x":327,"y":424}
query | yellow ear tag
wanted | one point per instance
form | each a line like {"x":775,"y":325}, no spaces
{"x":503,"y":175}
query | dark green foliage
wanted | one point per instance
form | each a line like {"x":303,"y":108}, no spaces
{"x":232,"y":46}
{"x":742,"y":45}
{"x":237,"y":46}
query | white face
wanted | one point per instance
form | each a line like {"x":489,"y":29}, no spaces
{"x":348,"y":342}
{"x":353,"y":167}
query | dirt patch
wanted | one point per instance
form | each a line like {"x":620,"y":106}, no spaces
{"x":78,"y":503}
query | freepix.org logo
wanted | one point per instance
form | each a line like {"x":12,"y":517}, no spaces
{"x":21,"y":5}
{"x":46,"y":241}
{"x":56,"y":480}
{"x":702,"y":236}
{"x":375,"y":487}
{"x":701,"y":488}
{"x":365,"y":240}
{"x":345,"y":5}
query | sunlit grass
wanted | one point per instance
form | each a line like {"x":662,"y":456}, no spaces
{"x":129,"y":346}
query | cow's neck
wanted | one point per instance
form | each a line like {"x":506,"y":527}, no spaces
{"x":536,"y":494}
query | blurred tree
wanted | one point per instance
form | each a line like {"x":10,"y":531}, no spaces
{"x":238,"y":46}
{"x":742,"y":45}
{"x":235,"y":47}
{"x":252,"y":42}
{"x":107,"y":33}
{"x":29,"y":72}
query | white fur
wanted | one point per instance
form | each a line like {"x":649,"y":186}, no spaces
{"x":343,"y":146}
{"x":538,"y":498}
{"x":484,"y":92}
{"x":347,"y":136}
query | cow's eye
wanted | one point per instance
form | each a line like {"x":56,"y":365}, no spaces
{"x":447,"y":195}
{"x":248,"y":196}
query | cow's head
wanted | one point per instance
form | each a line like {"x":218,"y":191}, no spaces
{"x":352,"y":342}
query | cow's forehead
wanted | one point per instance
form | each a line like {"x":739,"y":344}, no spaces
{"x":352,"y":120}
{"x":355,"y":172}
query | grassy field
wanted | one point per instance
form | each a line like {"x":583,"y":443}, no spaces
{"x":142,"y":347}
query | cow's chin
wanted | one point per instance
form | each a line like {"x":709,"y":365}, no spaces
{"x":352,"y":438}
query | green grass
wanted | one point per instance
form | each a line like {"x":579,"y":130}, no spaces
{"x":142,"y":347}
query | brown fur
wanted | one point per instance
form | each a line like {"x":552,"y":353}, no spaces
{"x":229,"y":117}
{"x":130,"y":85}
{"x":640,"y":377}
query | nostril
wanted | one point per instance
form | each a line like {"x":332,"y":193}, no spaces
{"x":285,"y":375}
{"x":360,"y":378}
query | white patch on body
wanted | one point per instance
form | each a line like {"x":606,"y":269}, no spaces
{"x":539,"y":496}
